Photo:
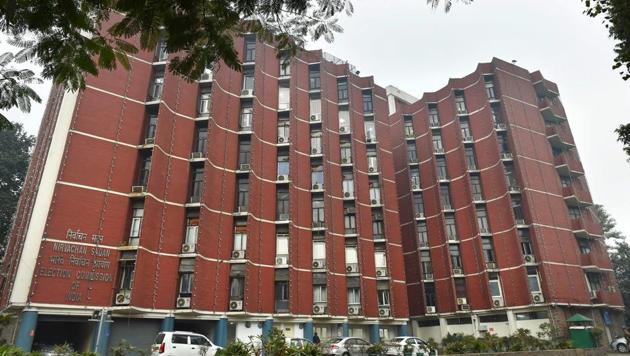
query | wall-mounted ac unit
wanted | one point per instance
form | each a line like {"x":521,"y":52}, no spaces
{"x":238,"y":254}
{"x":419,"y":215}
{"x":457,"y":271}
{"x":196,"y":155}
{"x":383,"y":311}
{"x":149,"y":141}
{"x":319,"y":309}
{"x":345,"y":160}
{"x":439,"y":151}
{"x":484,"y":230}
{"x":464,"y":307}
{"x":468,"y":139}
{"x":282,"y":177}
{"x":381,"y":272}
{"x":497,"y":302}
{"x":352,"y":268}
{"x":462,"y":301}
{"x":236,"y":305}
{"x":282,"y":139}
{"x":520,"y":221}
{"x":244,"y":167}
{"x":529,"y":259}
{"x":342,"y":129}
{"x":506,"y":155}
{"x":247,"y":92}
{"x":137,"y":189}
{"x":500,"y":126}
{"x":282,"y":261}
{"x":431,"y":309}
{"x":188,"y":248}
{"x":123,"y":297}
{"x":346,"y":194}
{"x":283,"y":217}
{"x":316,"y":117}
{"x":319,"y":264}
{"x":354,"y":310}
{"x":350,"y":210}
{"x":428,"y":276}
{"x":371,"y":169}
{"x":415,"y":186}
{"x":316,"y":186}
{"x":374,"y":202}
{"x":183,"y":302}
{"x":491,"y":265}
{"x":315,"y":151}
{"x":538,"y":297}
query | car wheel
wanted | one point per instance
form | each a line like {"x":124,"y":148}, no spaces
{"x":622,"y":348}
{"x":346,"y":354}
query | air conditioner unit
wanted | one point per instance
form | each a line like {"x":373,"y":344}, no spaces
{"x":468,"y":138}
{"x":419,"y":215}
{"x":499,"y":126}
{"x":183,"y":302}
{"x":188,"y":248}
{"x":281,"y":139}
{"x":439,"y":151}
{"x":381,"y":272}
{"x":497,"y":302}
{"x":457,"y":271}
{"x":464,"y":307}
{"x":282,"y":261}
{"x":491,"y":265}
{"x":483,"y":230}
{"x":346,"y":194}
{"x":382,"y":312}
{"x":344,"y":160}
{"x":520,"y":221}
{"x":149,"y":141}
{"x":368,"y":140}
{"x":195,"y":155}
{"x":283,"y":217}
{"x":538,"y":297}
{"x":430,"y":309}
{"x":354,"y":310}
{"x":205,"y":76}
{"x":342,"y":129}
{"x":350,"y":210}
{"x":415,"y":186}
{"x":529,"y":259}
{"x":506,"y":155}
{"x":236,"y":305}
{"x":282,"y":177}
{"x":315,"y":151}
{"x":317,"y":224}
{"x":247,"y":92}
{"x":514,"y":188}
{"x":477,"y":197}
{"x":371,"y":169}
{"x":319,"y":309}
{"x":316,"y":117}
{"x":374,"y":202}
{"x":462,"y":301}
{"x":123,"y":297}
{"x":238,"y":254}
{"x":428,"y":276}
{"x":244,"y":167}
{"x":316,"y":186}
{"x":137,"y":189}
{"x":319,"y":264}
{"x":352,"y":268}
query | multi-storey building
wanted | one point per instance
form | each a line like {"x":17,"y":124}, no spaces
{"x":298,"y":194}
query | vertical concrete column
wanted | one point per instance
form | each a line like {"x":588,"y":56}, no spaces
{"x":220,"y":333}
{"x":267,"y":326}
{"x":345,"y":330}
{"x":102,"y":331}
{"x":168,"y":323}
{"x":26,"y":330}
{"x":443,"y":328}
{"x":374,"y":334}
{"x":403,"y":330}
{"x":511,"y":321}
{"x":308,"y":330}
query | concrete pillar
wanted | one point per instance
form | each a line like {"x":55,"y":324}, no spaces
{"x":403,"y":330}
{"x":443,"y":328}
{"x":267,"y":326}
{"x":308,"y":330}
{"x":220,"y":333}
{"x":511,"y":321}
{"x":374,"y":334}
{"x":168,"y":324}
{"x":26,"y":330}
{"x":345,"y":330}
{"x":102,"y":331}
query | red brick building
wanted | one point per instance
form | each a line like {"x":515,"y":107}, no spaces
{"x":299,"y":194}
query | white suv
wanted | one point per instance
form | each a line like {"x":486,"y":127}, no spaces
{"x":182,"y":343}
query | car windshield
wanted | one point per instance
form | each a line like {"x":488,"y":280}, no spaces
{"x":159,"y":338}
{"x":333,"y":341}
{"x":397,"y":340}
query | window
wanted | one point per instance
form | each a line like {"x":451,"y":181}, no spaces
{"x":282,"y":201}
{"x":319,"y":293}
{"x":349,"y":223}
{"x":460,"y":103}
{"x":377,"y":225}
{"x":434,"y":118}
{"x":202,"y":140}
{"x":456,"y":259}
{"x":372,"y":160}
{"x":250,"y":48}
{"x":496,"y":114}
{"x":409,"y":129}
{"x":475,"y":187}
{"x":565,"y":181}
{"x":533,"y":281}
{"x":368,"y":106}
{"x":145,"y":169}
{"x":488,"y":250}
{"x":198,"y":340}
{"x":465,"y":127}
{"x":437,"y":142}
{"x":244,"y":151}
{"x":445,"y":196}
{"x":186,"y":283}
{"x":314,"y":79}
{"x":574,"y":213}
{"x":318,"y":211}
{"x":196,"y":190}
{"x":204,"y":102}
{"x":503,"y":144}
{"x":243,"y":194}
{"x":319,"y":250}
{"x":316,"y":142}
{"x":594,"y":281}
{"x":284,"y":96}
{"x":412,"y":154}
{"x":240,"y":239}
{"x":285,"y":66}
{"x":415,"y":177}
{"x":137,"y":213}
{"x":161,"y":53}
{"x":282,"y":290}
{"x":151,"y":126}
{"x":451,"y":229}
{"x":348,"y":185}
{"x":317,"y":175}
{"x":370,"y":131}
{"x":283,"y":164}
{"x":423,"y":236}
{"x":380,"y":259}
{"x":247,"y":115}
{"x":375,"y":191}
{"x":489,"y":83}
{"x":418,"y":203}
{"x":354,"y":296}
{"x":508,"y":170}
{"x":156,"y":86}
{"x":344,"y":120}
{"x":383,"y":297}
{"x":351,"y":255}
{"x":495,"y":286}
{"x":441,"y":168}
{"x":179,"y":339}
{"x":425,"y":261}
{"x":482,"y":219}
{"x":430,"y":296}
{"x":127,"y":269}
{"x":470,"y":158}
{"x":585,"y":246}
{"x":526,"y":243}
{"x":248,"y":79}
{"x":282,"y":245}
{"x":346,"y":152}
{"x":237,"y":287}
{"x":192,"y":230}
{"x":316,"y":106}
{"x":517,"y":207}
{"x":460,"y":292}
{"x":342,"y":90}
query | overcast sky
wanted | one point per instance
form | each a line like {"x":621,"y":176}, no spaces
{"x":406,"y":44}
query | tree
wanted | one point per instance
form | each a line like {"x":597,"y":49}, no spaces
{"x":14,"y":85}
{"x":624,"y":137}
{"x":15,"y":146}
{"x":609,"y":225}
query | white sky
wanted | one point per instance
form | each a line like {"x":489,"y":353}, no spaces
{"x":408,"y":45}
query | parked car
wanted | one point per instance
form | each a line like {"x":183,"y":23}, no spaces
{"x":396,"y":346}
{"x":182,"y":343}
{"x":346,"y":346}
{"x":297,"y":341}
{"x":619,"y":344}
